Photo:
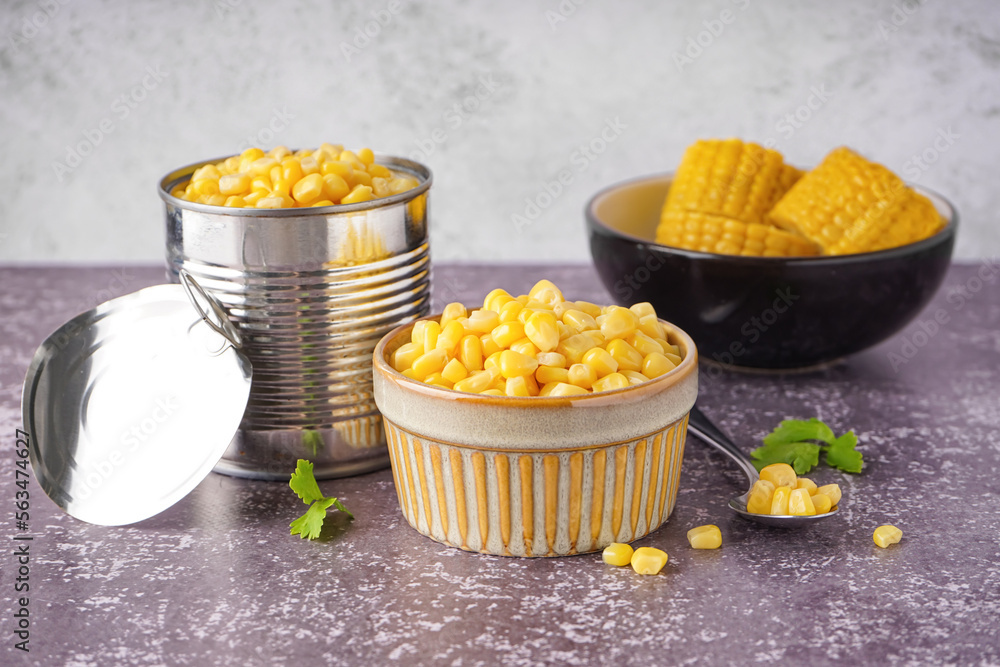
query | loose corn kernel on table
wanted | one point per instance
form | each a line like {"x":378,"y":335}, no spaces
{"x":217,"y":580}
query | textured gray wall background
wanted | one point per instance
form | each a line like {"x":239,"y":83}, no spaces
{"x":143,"y":87}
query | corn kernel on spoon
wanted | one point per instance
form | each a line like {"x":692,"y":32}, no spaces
{"x":702,"y":428}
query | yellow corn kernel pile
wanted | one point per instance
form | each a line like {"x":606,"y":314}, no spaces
{"x":705,"y":537}
{"x":537,"y":344}
{"x":849,"y":204}
{"x":738,"y":198}
{"x":886,"y":535}
{"x":279,"y":178}
{"x":780,"y":492}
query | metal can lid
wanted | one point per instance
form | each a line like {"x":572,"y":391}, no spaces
{"x":130,"y":405}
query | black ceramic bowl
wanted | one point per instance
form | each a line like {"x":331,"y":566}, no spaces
{"x":762,"y":312}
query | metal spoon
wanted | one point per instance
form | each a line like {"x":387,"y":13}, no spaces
{"x":703,"y":429}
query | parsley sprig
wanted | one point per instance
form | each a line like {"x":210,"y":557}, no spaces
{"x":303,"y":483}
{"x":799,"y":444}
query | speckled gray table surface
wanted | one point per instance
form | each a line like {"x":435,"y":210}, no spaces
{"x":217,"y":580}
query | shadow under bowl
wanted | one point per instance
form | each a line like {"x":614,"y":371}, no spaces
{"x":763,"y":312}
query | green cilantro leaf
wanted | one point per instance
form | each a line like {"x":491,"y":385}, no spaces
{"x":803,"y":456}
{"x":310,"y":524}
{"x":303,"y":483}
{"x":799,"y":443}
{"x":842,"y":453}
{"x":795,"y":430}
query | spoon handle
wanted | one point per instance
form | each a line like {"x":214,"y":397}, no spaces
{"x":703,"y":429}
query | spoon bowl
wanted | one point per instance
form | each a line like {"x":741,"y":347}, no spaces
{"x":702,"y":428}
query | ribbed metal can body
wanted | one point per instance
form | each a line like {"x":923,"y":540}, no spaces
{"x":312,"y":291}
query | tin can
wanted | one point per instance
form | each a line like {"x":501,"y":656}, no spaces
{"x":311,"y":291}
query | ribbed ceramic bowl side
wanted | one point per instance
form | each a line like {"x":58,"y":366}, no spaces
{"x":537,"y":504}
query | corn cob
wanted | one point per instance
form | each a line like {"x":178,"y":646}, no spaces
{"x":705,"y":232}
{"x":730,"y":178}
{"x":849,"y":204}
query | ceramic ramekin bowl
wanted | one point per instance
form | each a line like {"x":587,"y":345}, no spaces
{"x":539,"y":476}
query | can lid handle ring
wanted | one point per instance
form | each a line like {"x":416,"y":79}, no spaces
{"x":220,"y":323}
